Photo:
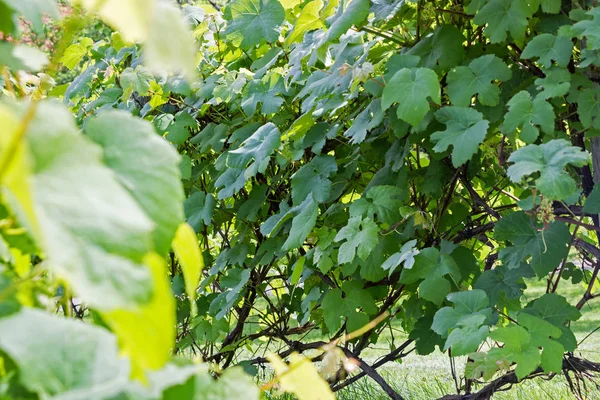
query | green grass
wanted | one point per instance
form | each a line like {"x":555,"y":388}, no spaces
{"x":429,"y":377}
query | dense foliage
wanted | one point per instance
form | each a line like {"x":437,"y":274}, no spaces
{"x":344,"y":169}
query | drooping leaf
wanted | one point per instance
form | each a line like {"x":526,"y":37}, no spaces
{"x":313,"y":178}
{"x":187,"y":250}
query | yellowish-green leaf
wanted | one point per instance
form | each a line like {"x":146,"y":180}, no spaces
{"x":15,"y":168}
{"x":75,"y":53}
{"x":301,"y":378}
{"x":147,"y":333}
{"x":190,"y":258}
{"x":309,"y":19}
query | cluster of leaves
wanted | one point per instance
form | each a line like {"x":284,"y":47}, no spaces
{"x":408,"y":162}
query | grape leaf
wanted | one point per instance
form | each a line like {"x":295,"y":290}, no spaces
{"x":410,"y":88}
{"x":368,"y":119}
{"x":546,"y":247}
{"x":504,"y":283}
{"x":556,"y":83}
{"x":547,"y":47}
{"x":308,"y":20}
{"x":178,"y":130}
{"x":137,"y":80}
{"x":383,"y":202}
{"x":187,"y":250}
{"x":360,"y":237}
{"x":147,"y":165}
{"x":469,"y":318}
{"x":75,"y":53}
{"x":525,"y":114}
{"x":592,"y":204}
{"x":313,"y":178}
{"x":588,"y":106}
{"x":502,"y":16}
{"x":465,"y":131}
{"x":255,"y":152}
{"x":477,"y":78}
{"x":443,"y":49}
{"x":346,"y":302}
{"x":251,"y":21}
{"x":431,"y":267}
{"x":354,"y":14}
{"x":63,"y":357}
{"x":198,"y":210}
{"x":549,"y":159}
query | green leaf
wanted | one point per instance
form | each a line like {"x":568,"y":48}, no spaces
{"x":546,"y":247}
{"x":198,"y":210}
{"x":589,"y":28}
{"x":465,"y":131}
{"x":431,"y":266}
{"x":477,"y":79}
{"x":308,"y":20}
{"x":346,"y":302}
{"x":22,"y":58}
{"x":302,"y":223}
{"x":410,"y":88}
{"x":592,"y":204}
{"x":137,"y":80}
{"x":525,"y":114}
{"x":504,"y":283}
{"x":254,"y":154}
{"x":360,"y":236}
{"x":146,"y":165}
{"x":251,"y":21}
{"x":502,"y":16}
{"x":211,"y":137}
{"x":313,"y":178}
{"x":102,"y":262}
{"x":75,"y":53}
{"x":264,"y":92}
{"x":553,"y":308}
{"x":354,"y":14}
{"x":556,"y":83}
{"x":179,"y":130}
{"x":547,"y":48}
{"x":588,"y":107}
{"x":443,"y":49}
{"x":60,"y":357}
{"x":465,"y":324}
{"x":549,"y":159}
{"x":381,"y":202}
{"x":368,"y":119}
